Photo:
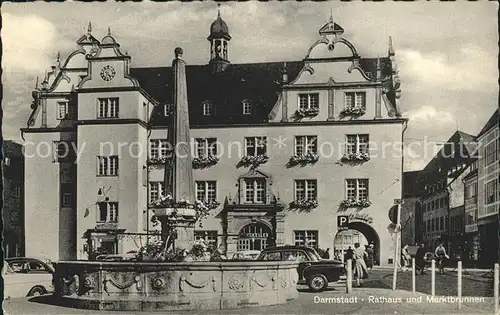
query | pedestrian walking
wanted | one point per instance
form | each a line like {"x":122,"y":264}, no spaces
{"x":405,"y":258}
{"x":420,"y":259}
{"x":360,"y":270}
{"x":441,"y":255}
{"x":370,"y":257}
{"x":349,"y":254}
{"x":326,"y":255}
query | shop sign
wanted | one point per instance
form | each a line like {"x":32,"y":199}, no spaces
{"x":360,"y":217}
{"x":257,"y":235}
{"x":471,"y":228}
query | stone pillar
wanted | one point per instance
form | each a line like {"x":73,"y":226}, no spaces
{"x":181,"y":183}
{"x":185,"y":234}
{"x":284,"y":106}
{"x":378,"y":103}
{"x":331,"y":107}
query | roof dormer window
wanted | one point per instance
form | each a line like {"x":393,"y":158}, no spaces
{"x":207,"y":108}
{"x":247,"y":107}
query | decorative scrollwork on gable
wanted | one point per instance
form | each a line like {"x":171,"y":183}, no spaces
{"x":322,"y":40}
{"x":65,"y":77}
{"x":308,"y":68}
{"x":356,"y":66}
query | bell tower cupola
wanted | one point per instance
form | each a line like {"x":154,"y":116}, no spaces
{"x":219,"y":41}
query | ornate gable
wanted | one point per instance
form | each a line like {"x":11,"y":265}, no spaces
{"x":108,"y":66}
{"x":332,"y":59}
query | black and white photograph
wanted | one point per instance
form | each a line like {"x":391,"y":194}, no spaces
{"x":224,"y":157}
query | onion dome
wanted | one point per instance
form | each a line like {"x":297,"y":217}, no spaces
{"x":108,"y":39}
{"x":219,"y":29}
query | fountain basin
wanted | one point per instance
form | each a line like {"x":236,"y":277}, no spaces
{"x":151,"y":286}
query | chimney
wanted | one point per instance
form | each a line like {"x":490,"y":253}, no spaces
{"x":284,"y":73}
{"x":379,"y":70}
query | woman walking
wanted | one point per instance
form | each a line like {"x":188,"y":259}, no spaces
{"x":370,"y":257}
{"x":360,"y":270}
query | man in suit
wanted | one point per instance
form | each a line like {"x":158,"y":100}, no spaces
{"x":419,"y":259}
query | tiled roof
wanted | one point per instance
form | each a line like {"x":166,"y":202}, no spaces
{"x":463,"y":147}
{"x":471,"y":175}
{"x":411,"y":185}
{"x":493,"y":121}
{"x":260,"y":83}
{"x":469,"y":142}
{"x":12,"y":149}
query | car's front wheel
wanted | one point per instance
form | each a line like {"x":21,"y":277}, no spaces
{"x":36,"y":291}
{"x":317,"y":283}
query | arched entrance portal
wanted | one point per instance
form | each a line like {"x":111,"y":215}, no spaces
{"x":254,"y":236}
{"x":357,"y":232}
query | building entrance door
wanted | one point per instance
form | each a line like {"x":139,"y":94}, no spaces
{"x":253,"y":236}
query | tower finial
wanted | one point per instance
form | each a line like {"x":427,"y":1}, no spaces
{"x":36,"y":83}
{"x":379,"y":69}
{"x":391,"y":49}
{"x":89,"y":29}
{"x":331,"y":15}
{"x":218,"y":10}
{"x":109,"y":31}
{"x":58,"y":58}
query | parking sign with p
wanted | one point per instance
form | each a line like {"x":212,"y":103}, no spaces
{"x":342,"y":222}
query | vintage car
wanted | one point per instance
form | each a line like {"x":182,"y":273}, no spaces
{"x":246,"y":255}
{"x":26,"y":277}
{"x":314,"y":271}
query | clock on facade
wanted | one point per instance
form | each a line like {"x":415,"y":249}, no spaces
{"x":108,"y":73}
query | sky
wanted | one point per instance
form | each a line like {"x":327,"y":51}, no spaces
{"x":447,"y":53}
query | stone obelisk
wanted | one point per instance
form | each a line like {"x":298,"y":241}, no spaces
{"x":179,"y":175}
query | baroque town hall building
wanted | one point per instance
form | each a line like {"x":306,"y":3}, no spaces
{"x":281,"y":149}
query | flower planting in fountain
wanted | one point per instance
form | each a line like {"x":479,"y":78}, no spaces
{"x":308,"y":158}
{"x":306,"y":112}
{"x":355,"y":157}
{"x":204,"y":161}
{"x":353,"y":111}
{"x":305,"y":204}
{"x":355,"y":203}
{"x":157,"y":251}
{"x":254,"y":160}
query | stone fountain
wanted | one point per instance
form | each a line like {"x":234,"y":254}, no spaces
{"x":174,"y":286}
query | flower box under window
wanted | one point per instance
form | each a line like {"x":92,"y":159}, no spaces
{"x":303,"y":159}
{"x":254,"y":160}
{"x":355,"y":203}
{"x":353,"y":111}
{"x":304,"y":204}
{"x":307,"y":112}
{"x":157,"y":160}
{"x":355,"y":157}
{"x":204,"y":161}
